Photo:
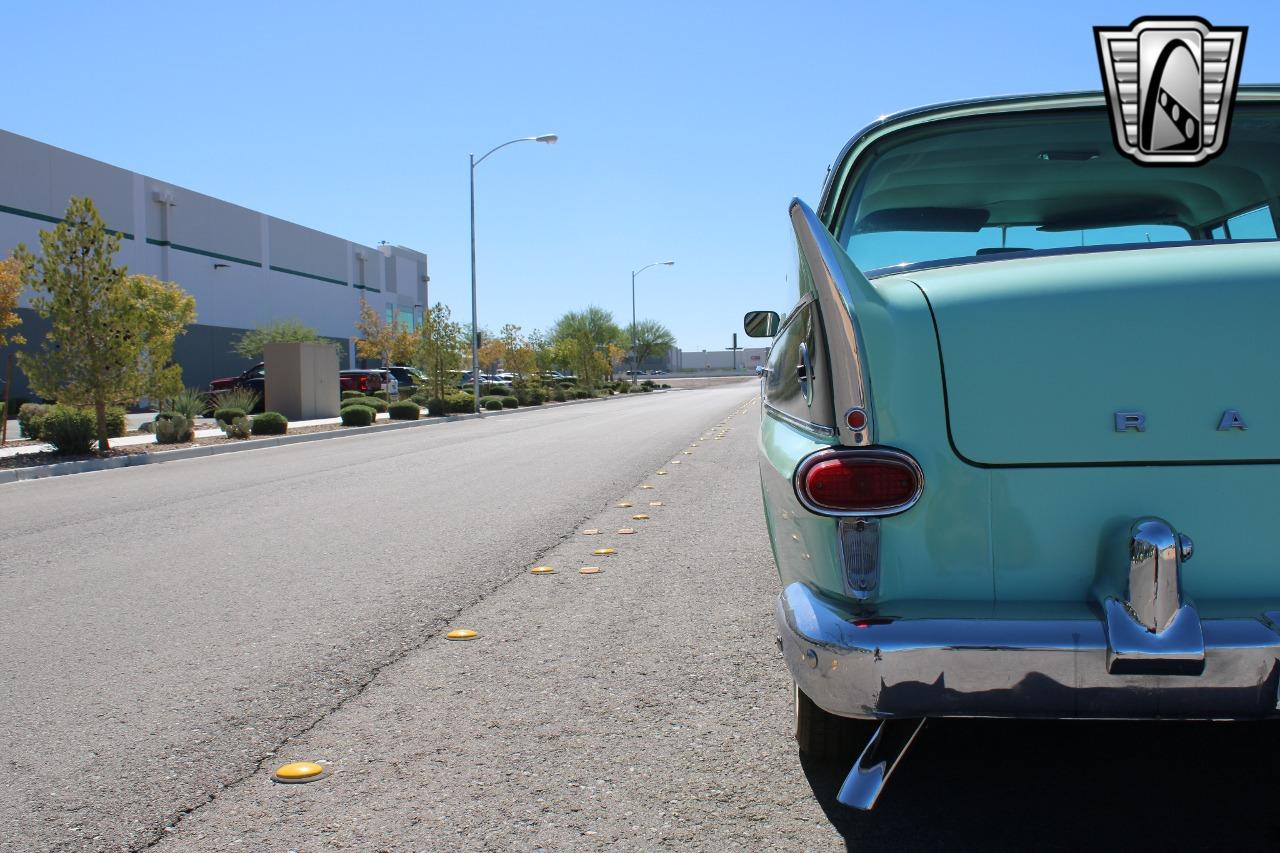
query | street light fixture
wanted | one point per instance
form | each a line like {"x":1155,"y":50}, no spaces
{"x":634,"y":353}
{"x":549,"y":139}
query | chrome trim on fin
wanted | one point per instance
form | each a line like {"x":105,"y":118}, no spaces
{"x":820,"y":429}
{"x":834,"y":283}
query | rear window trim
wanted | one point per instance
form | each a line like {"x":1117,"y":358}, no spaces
{"x":942,"y":263}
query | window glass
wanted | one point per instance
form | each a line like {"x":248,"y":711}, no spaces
{"x":1255,"y":224}
{"x":783,"y":388}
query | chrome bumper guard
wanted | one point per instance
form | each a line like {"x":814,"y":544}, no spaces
{"x":885,"y":667}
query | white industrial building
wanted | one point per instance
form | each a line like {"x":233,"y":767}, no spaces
{"x":243,"y":267}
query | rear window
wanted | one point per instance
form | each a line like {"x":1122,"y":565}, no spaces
{"x":997,"y":186}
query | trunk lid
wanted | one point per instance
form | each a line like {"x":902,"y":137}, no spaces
{"x":1040,"y":354}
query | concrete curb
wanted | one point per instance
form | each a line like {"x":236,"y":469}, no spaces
{"x":84,"y":466}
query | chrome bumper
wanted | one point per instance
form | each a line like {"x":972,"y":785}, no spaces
{"x":988,"y":667}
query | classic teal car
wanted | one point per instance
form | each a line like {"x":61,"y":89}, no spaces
{"x":1022,"y":375}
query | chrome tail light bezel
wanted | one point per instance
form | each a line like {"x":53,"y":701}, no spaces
{"x":880,"y":454}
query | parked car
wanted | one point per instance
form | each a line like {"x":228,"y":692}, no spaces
{"x":408,"y":379}
{"x":366,"y":381}
{"x":1017,"y":381}
{"x":255,"y":379}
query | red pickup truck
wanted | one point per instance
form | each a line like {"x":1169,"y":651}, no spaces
{"x":364,"y":381}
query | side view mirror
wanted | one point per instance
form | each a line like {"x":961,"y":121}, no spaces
{"x":761,"y":324}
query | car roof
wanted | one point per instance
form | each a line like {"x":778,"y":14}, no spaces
{"x":891,"y":122}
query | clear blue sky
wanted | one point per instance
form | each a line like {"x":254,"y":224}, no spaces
{"x":685,"y":127}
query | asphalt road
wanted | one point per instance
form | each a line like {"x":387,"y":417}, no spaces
{"x":172,"y":633}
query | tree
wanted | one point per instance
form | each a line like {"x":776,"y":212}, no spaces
{"x":440,"y":345}
{"x":616,"y":356}
{"x":403,"y":346}
{"x":10,"y":289}
{"x":491,"y":352}
{"x":111,"y":334}
{"x":252,"y":343}
{"x":377,"y":337}
{"x":651,"y":338}
{"x":581,"y":339}
{"x":544,"y":356}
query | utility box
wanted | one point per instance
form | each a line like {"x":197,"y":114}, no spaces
{"x":302,"y":380}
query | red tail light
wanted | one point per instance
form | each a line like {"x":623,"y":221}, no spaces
{"x":364,"y":382}
{"x":858,"y":482}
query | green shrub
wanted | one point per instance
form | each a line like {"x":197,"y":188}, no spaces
{"x":459,"y":404}
{"x":646,"y":388}
{"x":533,"y":397}
{"x":237,"y":427}
{"x":270,"y":423}
{"x":357,"y":415}
{"x":173,"y":428}
{"x":384,"y":396}
{"x":494,"y":389}
{"x":117,"y":423}
{"x":582,"y":394}
{"x":349,"y":394}
{"x":245,"y":399}
{"x":624,"y":389}
{"x":404,"y":410}
{"x":70,"y":430}
{"x":558,"y":395}
{"x":509,"y":402}
{"x":375,"y":403}
{"x":436,"y":407}
{"x":228,"y":414}
{"x":664,"y":385}
{"x":192,"y":403}
{"x":568,"y":386}
{"x":31,"y":419}
{"x":648,"y":383}
{"x":491,"y":404}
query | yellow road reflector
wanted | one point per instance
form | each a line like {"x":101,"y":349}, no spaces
{"x":299,"y":771}
{"x":640,"y":516}
{"x":655,"y":503}
{"x":589,"y":570}
{"x":675,"y":461}
{"x":542,"y":570}
{"x":591,"y":531}
{"x":688,"y":452}
{"x":461,"y":634}
{"x":604,"y":552}
{"x":645,"y":486}
{"x":626,"y":530}
{"x":622,"y":504}
{"x":662,"y":473}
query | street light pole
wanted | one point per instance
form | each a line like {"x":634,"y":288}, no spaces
{"x":635,"y":355}
{"x":549,"y":139}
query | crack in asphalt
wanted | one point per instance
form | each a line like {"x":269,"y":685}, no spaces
{"x":172,"y":824}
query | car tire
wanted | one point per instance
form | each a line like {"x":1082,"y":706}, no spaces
{"x":826,"y":737}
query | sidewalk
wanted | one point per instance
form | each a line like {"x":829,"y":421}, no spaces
{"x":136,"y":420}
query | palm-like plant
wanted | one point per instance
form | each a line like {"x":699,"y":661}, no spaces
{"x":245,"y":399}
{"x":192,"y":403}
